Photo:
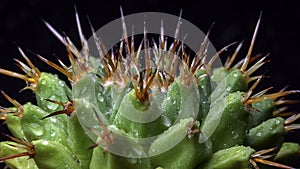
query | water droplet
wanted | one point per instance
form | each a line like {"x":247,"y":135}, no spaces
{"x":61,"y":83}
{"x":132,"y":160}
{"x":236,"y":136}
{"x":53,"y":106}
{"x":166,"y":121}
{"x":228,"y":88}
{"x":100,"y":97}
{"x":53,"y":119}
{"x":45,"y":142}
{"x":53,"y":87}
{"x":235,"y":75}
{"x":52,"y":133}
{"x":43,"y":81}
{"x":36,"y":129}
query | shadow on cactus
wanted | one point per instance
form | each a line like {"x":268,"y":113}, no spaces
{"x":159,"y":98}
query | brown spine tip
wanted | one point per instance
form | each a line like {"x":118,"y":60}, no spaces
{"x":272,"y":96}
{"x":271,"y":163}
{"x":58,"y":68}
{"x":24,"y":145}
{"x":248,"y":56}
{"x":261,"y":156}
{"x":19,"y":108}
{"x":234,"y":55}
{"x":68,"y":108}
{"x":143,"y":84}
{"x":31,"y":76}
{"x":106,"y":135}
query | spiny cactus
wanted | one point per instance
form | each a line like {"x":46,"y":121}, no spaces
{"x":147,"y":104}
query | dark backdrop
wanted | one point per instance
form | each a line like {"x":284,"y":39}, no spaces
{"x":235,"y":21}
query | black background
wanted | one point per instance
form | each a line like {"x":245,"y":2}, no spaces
{"x":279,"y":34}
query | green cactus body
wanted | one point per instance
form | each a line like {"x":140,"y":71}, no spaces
{"x":264,"y":110}
{"x":288,"y":153}
{"x":133,"y":109}
{"x":106,"y":160}
{"x":219,"y":74}
{"x":227,"y":133}
{"x":189,"y":153}
{"x":233,"y":81}
{"x":236,"y":81}
{"x":170,"y":111}
{"x":171,"y":105}
{"x":56,"y":90}
{"x":33,"y":125}
{"x":204,"y":85}
{"x":267,"y":135}
{"x":14,"y":126}
{"x":82,"y":152}
{"x":8,"y":148}
{"x":51,"y":154}
{"x":110,"y":161}
{"x":234,"y":157}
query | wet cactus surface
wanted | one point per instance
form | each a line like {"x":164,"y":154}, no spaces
{"x":196,"y":116}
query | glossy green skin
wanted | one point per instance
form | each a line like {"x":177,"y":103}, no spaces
{"x":181,"y":101}
{"x":79,"y":142}
{"x":288,"y":154}
{"x":8,"y":148}
{"x":236,"y":81}
{"x":34,"y":128}
{"x":51,"y":87}
{"x":269,"y":134}
{"x":171,"y":106}
{"x":51,"y":154}
{"x":264,"y":111}
{"x":232,"y":81}
{"x":186,"y":153}
{"x":108,"y":160}
{"x":82,"y":90}
{"x":137,"y":129}
{"x":64,"y":143}
{"x":105,"y":160}
{"x":103,"y":100}
{"x":231,"y":158}
{"x":233,"y":122}
{"x":189,"y":153}
{"x":219,"y":74}
{"x":204,"y":85}
{"x":60,"y":129}
{"x":14,"y":125}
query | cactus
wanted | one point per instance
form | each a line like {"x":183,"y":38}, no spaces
{"x":169,"y":110}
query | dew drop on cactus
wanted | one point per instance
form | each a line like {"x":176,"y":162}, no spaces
{"x":150,"y":98}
